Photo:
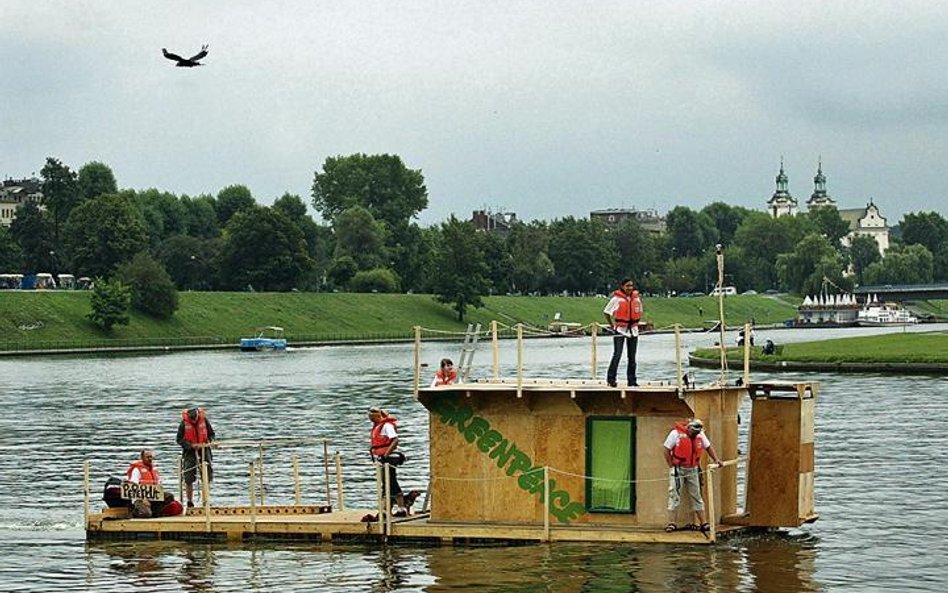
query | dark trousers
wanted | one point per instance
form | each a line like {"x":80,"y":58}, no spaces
{"x":617,"y":344}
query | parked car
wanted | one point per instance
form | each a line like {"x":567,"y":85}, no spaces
{"x":749,"y":292}
{"x":725,"y":290}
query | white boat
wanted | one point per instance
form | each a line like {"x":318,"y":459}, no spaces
{"x":883,"y":315}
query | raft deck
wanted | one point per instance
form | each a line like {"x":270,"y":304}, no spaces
{"x":308,"y":524}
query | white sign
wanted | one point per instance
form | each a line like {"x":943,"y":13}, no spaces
{"x":133,"y":491}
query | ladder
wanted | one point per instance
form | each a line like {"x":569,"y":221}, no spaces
{"x":467,"y":350}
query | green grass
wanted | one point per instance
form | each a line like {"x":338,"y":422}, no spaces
{"x":929,"y":347}
{"x":57,"y":319}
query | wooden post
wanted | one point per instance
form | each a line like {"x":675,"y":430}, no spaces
{"x":181,"y":479}
{"x":326,"y":467}
{"x":720,"y":259}
{"x":519,"y":360}
{"x":747,"y":353}
{"x":711,"y":513}
{"x":678,"y":359}
{"x":252,"y":482}
{"x":262,"y":492}
{"x":387,"y":495}
{"x":595,"y":356}
{"x":85,"y":483}
{"x":379,"y":493}
{"x":205,"y":495}
{"x":296,"y":478}
{"x":546,"y":502}
{"x":340,"y":499}
{"x":495,"y":342}
{"x":417,"y":378}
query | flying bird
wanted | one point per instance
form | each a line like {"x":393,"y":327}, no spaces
{"x":189,"y":62}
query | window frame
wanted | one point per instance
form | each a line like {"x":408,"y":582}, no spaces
{"x":632,"y":422}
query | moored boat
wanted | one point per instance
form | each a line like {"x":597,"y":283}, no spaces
{"x":884,"y":315}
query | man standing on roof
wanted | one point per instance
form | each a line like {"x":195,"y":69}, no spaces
{"x":195,"y":435}
{"x":623,"y":312}
{"x":384,"y":441}
{"x":683,"y":448}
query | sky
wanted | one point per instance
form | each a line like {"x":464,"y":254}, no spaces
{"x":545,"y":109}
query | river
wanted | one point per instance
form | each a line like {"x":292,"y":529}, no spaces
{"x":880,"y":477}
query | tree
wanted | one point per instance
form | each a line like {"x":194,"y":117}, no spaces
{"x":726,"y":219}
{"x":863,"y":251}
{"x":498,"y":260}
{"x":163,"y":214}
{"x":380,"y":183}
{"x":762,"y":238}
{"x":797,"y":269}
{"x":200,"y":217}
{"x":359,"y":236}
{"x":581,"y":254}
{"x":110,"y":302}
{"x":60,"y":194}
{"x":690,"y":232}
{"x":925,"y":228}
{"x":828,"y":222}
{"x":262,"y":248}
{"x":103,"y":233}
{"x":153,"y":292}
{"x":231,"y":200}
{"x":95,"y":179}
{"x":32,"y":229}
{"x":11,"y":256}
{"x":459,"y":277}
{"x":342,"y":270}
{"x":377,"y":280}
{"x":636,"y":251}
{"x":529,"y":245}
{"x":910,"y":264}
{"x":187,"y":260}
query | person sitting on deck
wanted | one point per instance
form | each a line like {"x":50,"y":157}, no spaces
{"x":446,"y":375}
{"x":384,"y":441}
{"x":143,"y":471}
{"x":682,"y":449}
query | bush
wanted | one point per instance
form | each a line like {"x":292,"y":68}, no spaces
{"x":376,"y":280}
{"x":110,"y":302}
{"x":153,"y":292}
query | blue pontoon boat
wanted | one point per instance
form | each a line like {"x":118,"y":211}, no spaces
{"x":266,"y":338}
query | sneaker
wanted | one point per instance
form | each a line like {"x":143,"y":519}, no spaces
{"x":612,"y":384}
{"x":190,"y":504}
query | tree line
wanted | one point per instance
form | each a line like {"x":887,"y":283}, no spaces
{"x":371,"y":242}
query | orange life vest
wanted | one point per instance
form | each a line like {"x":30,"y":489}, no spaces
{"x":687,"y":452}
{"x":440,"y":379}
{"x":149,"y":474}
{"x":629,"y":311}
{"x":194,"y":432}
{"x":381,"y":442}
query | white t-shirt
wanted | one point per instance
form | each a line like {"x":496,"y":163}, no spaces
{"x":671,"y":441}
{"x":613,"y":305}
{"x":388,"y":431}
{"x":136,"y":476}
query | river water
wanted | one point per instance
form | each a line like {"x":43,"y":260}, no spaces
{"x":880,"y":477}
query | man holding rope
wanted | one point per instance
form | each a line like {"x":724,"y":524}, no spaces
{"x":195,"y":435}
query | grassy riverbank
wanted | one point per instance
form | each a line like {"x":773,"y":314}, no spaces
{"x":907,"y":348}
{"x":57,"y":319}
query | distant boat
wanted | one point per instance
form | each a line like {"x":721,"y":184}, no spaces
{"x":884,"y":314}
{"x":266,"y":338}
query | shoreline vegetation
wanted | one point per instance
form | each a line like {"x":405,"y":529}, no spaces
{"x":54,"y":322}
{"x":917,"y":352}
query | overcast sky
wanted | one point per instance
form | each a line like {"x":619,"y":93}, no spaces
{"x":546,"y":109}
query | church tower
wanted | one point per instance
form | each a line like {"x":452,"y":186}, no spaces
{"x":820,"y":198}
{"x":782,"y":203}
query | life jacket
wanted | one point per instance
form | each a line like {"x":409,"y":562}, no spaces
{"x":194,"y":432}
{"x":149,"y":474}
{"x":629,"y":311}
{"x":687,"y":452}
{"x":381,"y":442}
{"x":440,"y":379}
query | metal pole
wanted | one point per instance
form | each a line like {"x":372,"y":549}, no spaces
{"x":678,"y":359}
{"x":296,"y":477}
{"x":326,"y":467}
{"x":340,"y":499}
{"x":495,"y":342}
{"x":417,"y":377}
{"x":519,"y":360}
{"x":85,"y":483}
{"x":595,"y":356}
{"x":546,"y":502}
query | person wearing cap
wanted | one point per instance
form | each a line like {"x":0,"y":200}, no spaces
{"x":195,"y":436}
{"x":683,"y":448}
{"x":623,"y":312}
{"x":384,"y":442}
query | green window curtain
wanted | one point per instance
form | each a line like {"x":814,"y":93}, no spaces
{"x":610,"y":448}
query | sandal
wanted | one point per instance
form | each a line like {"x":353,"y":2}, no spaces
{"x":671,"y":527}
{"x":691,"y":527}
{"x":705,"y":528}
